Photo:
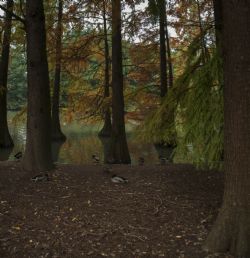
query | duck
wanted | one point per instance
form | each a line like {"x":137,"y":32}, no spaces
{"x":40,"y":178}
{"x":107,"y":169}
{"x":18,"y":155}
{"x":119,"y":179}
{"x":141,"y":161}
{"x":163,"y":160}
{"x":95,"y":158}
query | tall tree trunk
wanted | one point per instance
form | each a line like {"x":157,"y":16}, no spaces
{"x":217,"y":4}
{"x":5,"y":138}
{"x":106,"y":130}
{"x":218,"y":23}
{"x":163,"y":52}
{"x":203,"y":40}
{"x":231,"y":231}
{"x":170,"y":64}
{"x":171,"y":119}
{"x":37,"y":156}
{"x":119,"y":147}
{"x":57,"y":134}
{"x":165,"y":58}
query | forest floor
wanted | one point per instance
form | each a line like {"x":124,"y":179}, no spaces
{"x":163,"y":211}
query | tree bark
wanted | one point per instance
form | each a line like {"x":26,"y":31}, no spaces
{"x":57,"y":134}
{"x":231,"y":231}
{"x":119,"y":147}
{"x":107,"y":128}
{"x":163,"y":53}
{"x":218,"y":23}
{"x":37,"y":156}
{"x":170,"y":64}
{"x":203,"y":40}
{"x":5,"y":138}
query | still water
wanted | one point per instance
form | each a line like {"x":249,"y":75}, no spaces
{"x":82,"y":142}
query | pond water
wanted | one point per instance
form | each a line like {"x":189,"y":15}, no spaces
{"x":82,"y":142}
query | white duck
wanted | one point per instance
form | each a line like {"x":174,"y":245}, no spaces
{"x":119,"y":179}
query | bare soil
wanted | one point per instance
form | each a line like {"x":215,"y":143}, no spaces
{"x":163,"y":211}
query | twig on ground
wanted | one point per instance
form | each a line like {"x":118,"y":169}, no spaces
{"x":158,"y":206}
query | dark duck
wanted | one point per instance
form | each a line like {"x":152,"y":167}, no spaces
{"x":18,"y":155}
{"x":95,"y":158}
{"x":40,"y":178}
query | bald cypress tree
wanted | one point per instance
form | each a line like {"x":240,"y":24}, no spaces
{"x":163,"y":51}
{"x":5,"y":138}
{"x":231,"y":231}
{"x":37,"y":156}
{"x":107,"y":127}
{"x":57,"y":134}
{"x":119,"y":148}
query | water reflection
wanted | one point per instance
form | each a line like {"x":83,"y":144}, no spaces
{"x":82,"y":143}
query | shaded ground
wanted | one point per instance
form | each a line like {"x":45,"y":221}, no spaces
{"x":164,"y":211}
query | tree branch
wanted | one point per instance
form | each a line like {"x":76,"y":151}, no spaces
{"x":13,"y":14}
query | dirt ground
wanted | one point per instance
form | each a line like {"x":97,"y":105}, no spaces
{"x":163,"y":211}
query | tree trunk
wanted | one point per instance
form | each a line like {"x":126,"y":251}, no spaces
{"x":231,"y":231}
{"x":5,"y":138}
{"x":203,"y":40}
{"x":37,"y":156}
{"x":119,"y":147}
{"x":163,"y":59}
{"x":170,"y":64}
{"x":164,"y":53}
{"x":57,"y":134}
{"x":218,"y":23}
{"x":107,"y":128}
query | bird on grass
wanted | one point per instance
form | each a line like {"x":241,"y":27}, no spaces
{"x":95,"y":158}
{"x":18,"y":155}
{"x":40,"y":178}
{"x":119,"y":179}
{"x":141,"y":161}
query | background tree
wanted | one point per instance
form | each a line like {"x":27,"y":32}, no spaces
{"x":119,"y":147}
{"x":37,"y":156}
{"x":231,"y":231}
{"x":158,"y":9}
{"x":56,"y":128}
{"x":196,"y":99}
{"x":169,"y":57}
{"x":5,"y":138}
{"x":107,"y":127}
{"x":218,"y":23}
{"x":161,"y":4}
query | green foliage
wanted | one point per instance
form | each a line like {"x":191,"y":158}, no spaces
{"x":196,"y":100}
